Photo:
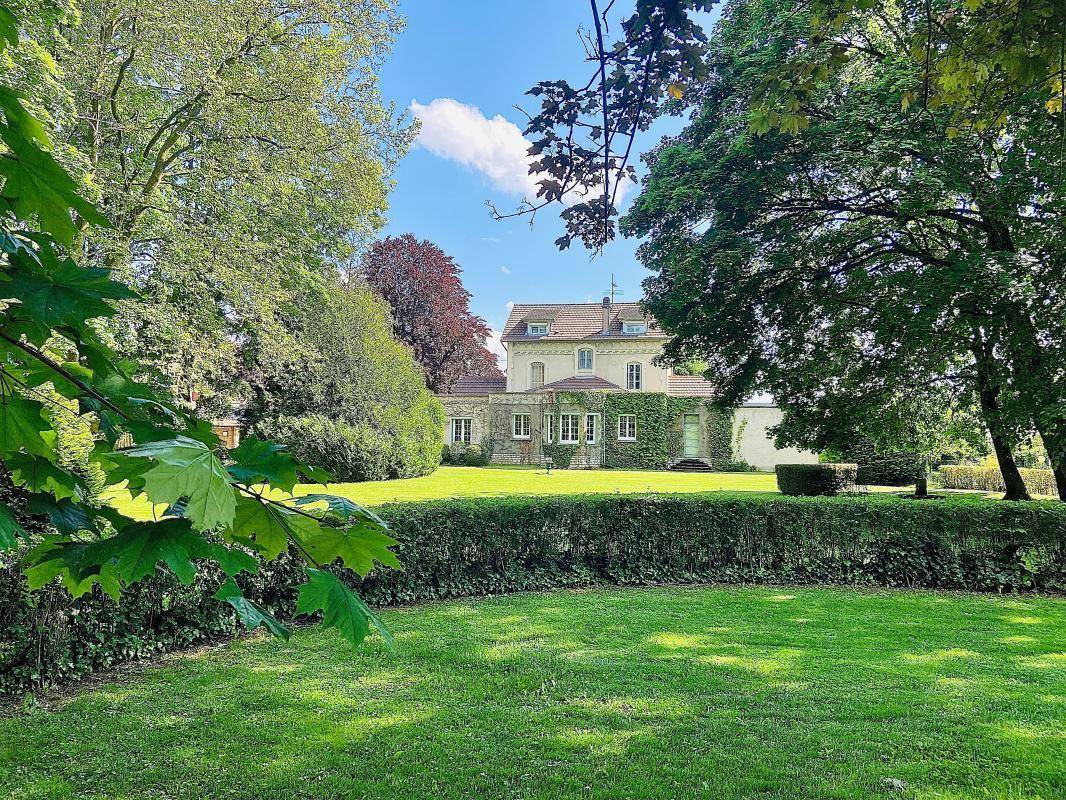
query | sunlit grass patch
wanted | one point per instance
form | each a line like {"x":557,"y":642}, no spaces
{"x":657,"y":693}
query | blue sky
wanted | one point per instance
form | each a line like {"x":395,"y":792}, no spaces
{"x":465,"y":64}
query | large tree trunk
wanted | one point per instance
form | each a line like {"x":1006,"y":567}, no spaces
{"x":1055,"y":444}
{"x":988,"y":394}
{"x":1008,"y":467}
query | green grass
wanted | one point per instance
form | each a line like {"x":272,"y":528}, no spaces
{"x":504,"y":481}
{"x":659,"y":693}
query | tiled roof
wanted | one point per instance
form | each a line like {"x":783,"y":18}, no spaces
{"x":478,"y":385}
{"x":688,"y":386}
{"x":696,"y":386}
{"x":570,"y":321}
{"x":576,"y":384}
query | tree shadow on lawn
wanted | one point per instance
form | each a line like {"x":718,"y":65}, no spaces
{"x":623,"y":693}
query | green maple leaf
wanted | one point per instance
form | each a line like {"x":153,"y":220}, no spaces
{"x":341,"y":608}
{"x":63,"y":294}
{"x":10,"y":530}
{"x":250,"y":613}
{"x":358,"y":546}
{"x":270,"y":526}
{"x":23,"y":427}
{"x":40,"y":475}
{"x":257,"y":461}
{"x":187,"y":468}
{"x":34,"y":182}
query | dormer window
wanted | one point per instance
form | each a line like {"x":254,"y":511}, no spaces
{"x":634,"y":327}
{"x":536,"y":329}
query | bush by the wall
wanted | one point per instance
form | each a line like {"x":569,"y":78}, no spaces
{"x":815,"y":479}
{"x":453,"y":548}
{"x":990,"y":479}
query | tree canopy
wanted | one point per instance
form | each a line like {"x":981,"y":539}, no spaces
{"x":214,"y":509}
{"x":873,"y":254}
{"x":241,"y":151}
{"x":430,"y":308}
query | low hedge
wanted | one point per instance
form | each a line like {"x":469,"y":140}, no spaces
{"x":990,"y":479}
{"x":455,"y":548}
{"x":811,"y":480}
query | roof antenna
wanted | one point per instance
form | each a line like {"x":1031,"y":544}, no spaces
{"x":615,"y":291}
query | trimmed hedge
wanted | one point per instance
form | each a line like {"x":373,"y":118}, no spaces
{"x":455,"y":548}
{"x":990,"y":479}
{"x":811,"y":480}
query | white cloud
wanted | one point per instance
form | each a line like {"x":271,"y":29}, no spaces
{"x":491,"y":239}
{"x":510,"y":304}
{"x":495,"y":346}
{"x":505,"y":270}
{"x":494,"y":147}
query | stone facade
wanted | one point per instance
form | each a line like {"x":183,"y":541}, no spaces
{"x":583,"y":387}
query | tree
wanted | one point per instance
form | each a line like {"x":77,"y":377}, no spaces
{"x":349,"y":369}
{"x":978,"y":61}
{"x":241,"y":151}
{"x":868,"y":250}
{"x":226,"y":513}
{"x":430,"y":309}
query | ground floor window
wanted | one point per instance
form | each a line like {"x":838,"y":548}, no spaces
{"x":520,"y":426}
{"x":568,"y":428}
{"x":547,"y":430}
{"x":461,"y":429}
{"x":627,"y":427}
{"x":592,"y":423}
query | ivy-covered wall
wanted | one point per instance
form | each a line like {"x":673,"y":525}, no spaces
{"x":659,"y":431}
{"x":658,"y":420}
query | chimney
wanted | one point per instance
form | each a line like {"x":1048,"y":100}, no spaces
{"x":606,"y":314}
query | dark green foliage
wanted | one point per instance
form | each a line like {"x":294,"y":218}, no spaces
{"x":882,"y":468}
{"x":659,"y":430}
{"x":990,"y":479}
{"x":348,"y":452}
{"x":812,"y":480}
{"x":454,"y":548}
{"x":561,"y":455}
{"x":477,"y":455}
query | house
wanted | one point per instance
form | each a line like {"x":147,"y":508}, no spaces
{"x":584,"y":389}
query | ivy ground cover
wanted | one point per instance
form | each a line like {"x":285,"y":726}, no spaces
{"x":661,"y":693}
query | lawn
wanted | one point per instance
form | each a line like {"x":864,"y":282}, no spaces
{"x":504,"y":481}
{"x":665,"y":693}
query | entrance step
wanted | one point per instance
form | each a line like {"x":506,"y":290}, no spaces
{"x":692,"y":465}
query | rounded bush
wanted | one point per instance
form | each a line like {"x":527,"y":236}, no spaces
{"x":476,"y":456}
{"x":810,"y":480}
{"x":348,"y":452}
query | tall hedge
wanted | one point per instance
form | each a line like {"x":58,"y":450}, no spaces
{"x":453,"y":548}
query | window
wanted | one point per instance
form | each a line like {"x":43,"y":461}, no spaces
{"x":546,"y":431}
{"x":568,"y":428}
{"x":634,"y":327}
{"x":461,"y":430}
{"x":633,"y":377}
{"x":537,"y":329}
{"x":584,"y":359}
{"x":536,"y":375}
{"x":591,"y":424}
{"x":627,"y":427}
{"x":520,"y":426}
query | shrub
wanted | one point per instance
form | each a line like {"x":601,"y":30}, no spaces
{"x":348,"y":452}
{"x":880,"y":468}
{"x":990,"y":479}
{"x":454,"y":548}
{"x":815,"y":479}
{"x":477,"y":455}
